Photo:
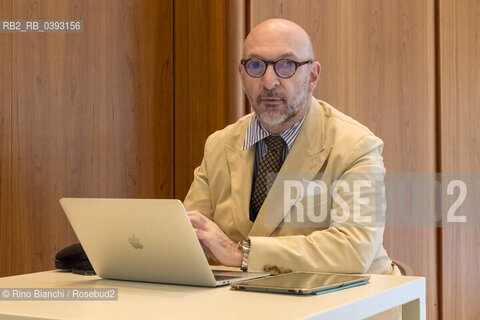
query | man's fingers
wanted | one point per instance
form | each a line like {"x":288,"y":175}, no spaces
{"x":197,"y":220}
{"x":207,"y":240}
{"x":201,"y":235}
{"x":194,"y":213}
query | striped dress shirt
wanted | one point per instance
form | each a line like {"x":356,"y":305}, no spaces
{"x":256,"y":133}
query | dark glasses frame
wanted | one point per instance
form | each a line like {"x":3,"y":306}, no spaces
{"x":274,"y":64}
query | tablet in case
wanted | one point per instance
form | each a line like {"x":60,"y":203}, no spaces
{"x":303,"y":283}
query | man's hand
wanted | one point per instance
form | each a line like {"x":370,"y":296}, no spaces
{"x":214,"y":241}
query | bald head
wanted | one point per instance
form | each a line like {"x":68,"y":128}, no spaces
{"x":278,"y":33}
{"x":279,"y":73}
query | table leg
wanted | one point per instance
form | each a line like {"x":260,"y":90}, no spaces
{"x":414,"y":310}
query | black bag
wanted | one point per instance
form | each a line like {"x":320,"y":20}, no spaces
{"x":73,"y":258}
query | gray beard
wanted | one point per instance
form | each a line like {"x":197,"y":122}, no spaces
{"x":291,"y":110}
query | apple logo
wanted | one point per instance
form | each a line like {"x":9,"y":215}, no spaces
{"x":135,"y":242}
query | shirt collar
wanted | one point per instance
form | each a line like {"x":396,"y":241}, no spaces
{"x":256,"y":132}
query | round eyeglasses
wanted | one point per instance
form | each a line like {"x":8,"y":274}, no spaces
{"x":284,"y":68}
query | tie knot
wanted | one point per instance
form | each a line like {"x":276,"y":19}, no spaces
{"x":274,"y":143}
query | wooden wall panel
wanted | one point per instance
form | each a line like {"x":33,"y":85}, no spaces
{"x":5,"y":140}
{"x":378,"y":67}
{"x":207,"y":98}
{"x":92,"y":116}
{"x":459,"y":27}
{"x":235,"y":29}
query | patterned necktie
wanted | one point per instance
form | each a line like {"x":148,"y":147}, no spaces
{"x":266,"y":173}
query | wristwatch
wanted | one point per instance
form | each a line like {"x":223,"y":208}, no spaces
{"x":245,"y":247}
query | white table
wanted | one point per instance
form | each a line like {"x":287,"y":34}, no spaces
{"x":159,"y":301}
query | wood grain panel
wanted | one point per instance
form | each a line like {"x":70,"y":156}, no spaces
{"x":200,"y":87}
{"x":378,"y":67}
{"x":92,"y":116}
{"x":5,"y":140}
{"x":235,"y":34}
{"x":459,"y":28}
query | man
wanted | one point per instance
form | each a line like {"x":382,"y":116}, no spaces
{"x":239,"y":205}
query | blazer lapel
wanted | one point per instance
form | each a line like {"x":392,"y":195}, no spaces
{"x":305,"y":159}
{"x":241,"y":172}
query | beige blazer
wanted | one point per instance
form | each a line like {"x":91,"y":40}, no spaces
{"x":330,"y":146}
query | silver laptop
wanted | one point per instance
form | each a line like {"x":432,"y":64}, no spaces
{"x":144,"y":240}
